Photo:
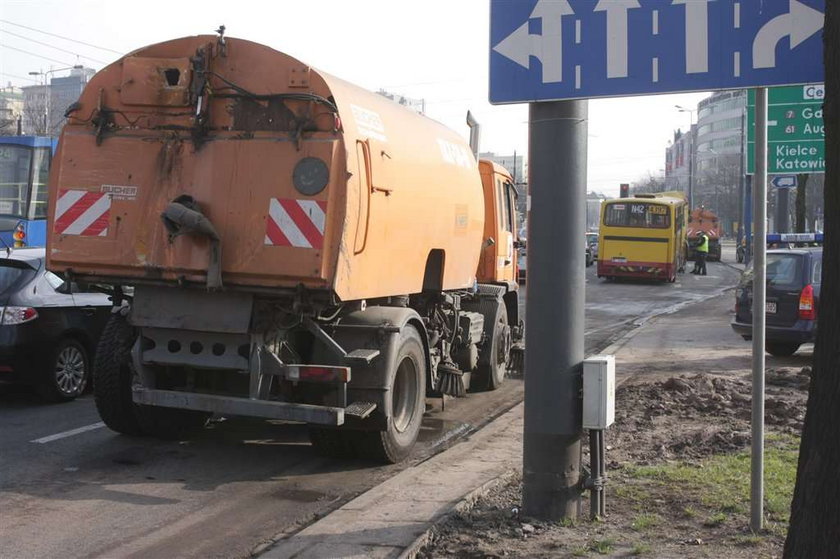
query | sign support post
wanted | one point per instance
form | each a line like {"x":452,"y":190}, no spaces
{"x":758,"y":312}
{"x":555,"y":309}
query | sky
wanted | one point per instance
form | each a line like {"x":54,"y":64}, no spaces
{"x":436,"y":50}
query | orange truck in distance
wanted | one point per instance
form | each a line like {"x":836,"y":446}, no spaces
{"x":282,"y":244}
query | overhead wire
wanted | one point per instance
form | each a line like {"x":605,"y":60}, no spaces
{"x":37,"y":55}
{"x":52,"y":46}
{"x":60,"y":37}
{"x":18,"y":77}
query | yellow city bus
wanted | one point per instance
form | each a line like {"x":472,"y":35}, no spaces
{"x":643,"y":237}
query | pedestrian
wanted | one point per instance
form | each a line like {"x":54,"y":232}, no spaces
{"x":700,"y":253}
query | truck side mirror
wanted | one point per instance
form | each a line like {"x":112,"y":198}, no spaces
{"x":521,"y":243}
{"x":489,"y":242}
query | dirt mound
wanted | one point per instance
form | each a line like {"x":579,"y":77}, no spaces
{"x":694,"y":416}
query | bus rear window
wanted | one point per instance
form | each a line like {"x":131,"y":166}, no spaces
{"x":637,"y":214}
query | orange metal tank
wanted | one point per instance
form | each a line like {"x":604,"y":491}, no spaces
{"x":305,"y":179}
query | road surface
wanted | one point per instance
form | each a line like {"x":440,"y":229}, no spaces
{"x":69,"y":487}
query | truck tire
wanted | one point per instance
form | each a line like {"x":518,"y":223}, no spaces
{"x":112,"y":377}
{"x":493,"y":361}
{"x":405,"y":403}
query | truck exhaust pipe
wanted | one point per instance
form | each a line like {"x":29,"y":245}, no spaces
{"x":475,"y":133}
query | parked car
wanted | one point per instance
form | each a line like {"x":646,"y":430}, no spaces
{"x":793,"y":292}
{"x":589,"y":258}
{"x":592,"y":241}
{"x":48,"y":328}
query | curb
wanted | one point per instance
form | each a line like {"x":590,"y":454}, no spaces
{"x":466,"y":503}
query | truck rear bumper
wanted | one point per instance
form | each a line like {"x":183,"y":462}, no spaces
{"x":305,"y":413}
{"x":644,"y":270}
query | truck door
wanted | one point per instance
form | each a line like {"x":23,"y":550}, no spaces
{"x":505,"y":256}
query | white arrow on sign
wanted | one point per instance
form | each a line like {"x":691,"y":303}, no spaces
{"x":520,"y":45}
{"x":617,"y":45}
{"x":799,"y":23}
{"x":784,"y":181}
{"x":696,"y":35}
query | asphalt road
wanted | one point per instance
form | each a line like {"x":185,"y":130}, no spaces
{"x":69,"y":487}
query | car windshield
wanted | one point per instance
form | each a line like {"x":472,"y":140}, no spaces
{"x":13,"y":274}
{"x":782,"y":268}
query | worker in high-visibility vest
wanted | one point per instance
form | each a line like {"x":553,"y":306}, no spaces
{"x":701,"y":251}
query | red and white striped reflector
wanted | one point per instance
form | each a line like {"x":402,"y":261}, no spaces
{"x":296,"y":223}
{"x":81,"y":212}
{"x":317,"y":373}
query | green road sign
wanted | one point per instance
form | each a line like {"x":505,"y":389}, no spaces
{"x":795,"y":130}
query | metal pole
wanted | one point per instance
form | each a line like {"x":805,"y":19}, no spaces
{"x":782,"y":210}
{"x":748,"y":218}
{"x":758,"y":311}
{"x":554,"y":309}
{"x":739,"y":234}
{"x":692,"y":163}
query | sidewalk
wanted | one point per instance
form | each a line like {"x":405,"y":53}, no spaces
{"x":393,"y":519}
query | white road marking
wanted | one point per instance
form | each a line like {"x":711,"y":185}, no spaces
{"x":70,"y":433}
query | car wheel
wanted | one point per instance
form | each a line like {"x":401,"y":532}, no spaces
{"x":66,"y":374}
{"x":781,"y":349}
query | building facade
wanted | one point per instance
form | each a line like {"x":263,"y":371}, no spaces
{"x":11,"y":110}
{"x":44,"y":105}
{"x":709,"y":159}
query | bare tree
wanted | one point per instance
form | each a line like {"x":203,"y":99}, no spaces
{"x":648,"y":184}
{"x":34,"y":116}
{"x":814,"y":518}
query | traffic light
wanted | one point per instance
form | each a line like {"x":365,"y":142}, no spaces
{"x":625,"y":190}
{"x":19,"y":236}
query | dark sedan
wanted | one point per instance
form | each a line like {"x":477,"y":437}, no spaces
{"x":48,"y":328}
{"x":793,"y":292}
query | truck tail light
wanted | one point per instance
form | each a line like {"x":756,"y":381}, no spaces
{"x":807,"y":308}
{"x":317,"y":373}
{"x":17,"y":315}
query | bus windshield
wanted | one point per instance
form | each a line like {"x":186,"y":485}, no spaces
{"x":21,"y":167}
{"x":637,"y":214}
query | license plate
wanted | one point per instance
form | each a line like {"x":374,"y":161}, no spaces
{"x":619,"y":259}
{"x":770,"y":307}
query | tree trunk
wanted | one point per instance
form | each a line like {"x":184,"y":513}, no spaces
{"x":801,"y":193}
{"x":815,"y":511}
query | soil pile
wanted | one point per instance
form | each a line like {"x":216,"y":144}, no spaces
{"x":685,"y":419}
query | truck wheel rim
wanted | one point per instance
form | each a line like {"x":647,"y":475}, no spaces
{"x":70,"y":370}
{"x":405,"y":394}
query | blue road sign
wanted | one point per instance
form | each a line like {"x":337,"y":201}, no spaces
{"x":543,"y":50}
{"x":784,"y":181}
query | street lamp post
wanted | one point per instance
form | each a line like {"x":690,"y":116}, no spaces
{"x":48,"y":94}
{"x":692,"y":155}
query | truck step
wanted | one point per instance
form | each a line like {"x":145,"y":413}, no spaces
{"x":360,"y":409}
{"x":361,"y":356}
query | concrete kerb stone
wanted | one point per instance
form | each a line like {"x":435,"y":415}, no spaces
{"x":465,"y":504}
{"x":392,"y":517}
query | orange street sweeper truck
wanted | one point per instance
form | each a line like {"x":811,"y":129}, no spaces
{"x":280,"y":243}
